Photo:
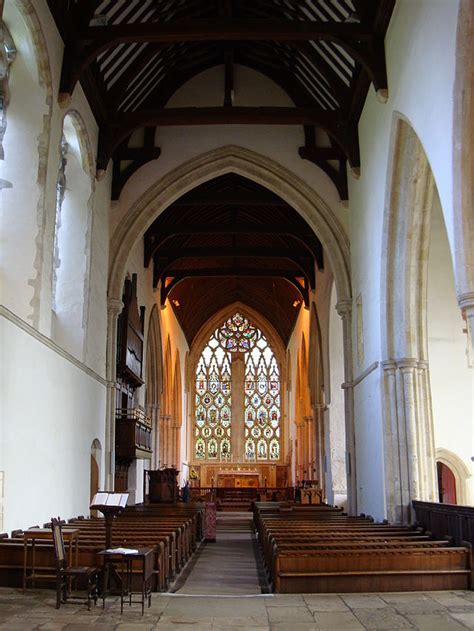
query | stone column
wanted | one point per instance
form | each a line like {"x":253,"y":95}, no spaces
{"x":344,"y":309}
{"x":164,"y":453}
{"x":114,"y":307}
{"x":409,"y":454}
{"x":238,"y":408}
{"x":299,"y":466}
{"x":153,"y":411}
{"x":466,"y":303}
{"x":319,"y":442}
{"x":309,"y":446}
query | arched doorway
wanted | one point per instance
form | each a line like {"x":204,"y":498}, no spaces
{"x":446,"y":484}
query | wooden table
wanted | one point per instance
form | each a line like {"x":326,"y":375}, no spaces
{"x":71,"y":538}
{"x":145,"y":556}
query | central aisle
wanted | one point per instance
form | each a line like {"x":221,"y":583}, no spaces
{"x":227,"y":567}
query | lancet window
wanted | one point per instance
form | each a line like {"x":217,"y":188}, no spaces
{"x":224,"y":393}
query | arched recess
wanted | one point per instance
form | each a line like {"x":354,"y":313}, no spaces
{"x":177,"y":416}
{"x":408,"y":435}
{"x":270,"y":174}
{"x":154,"y":379}
{"x":24,"y":206}
{"x":166,"y":411}
{"x":463,"y":163}
{"x":72,"y":237}
{"x":461,"y":473}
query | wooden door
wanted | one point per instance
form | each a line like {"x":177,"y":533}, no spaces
{"x":446,"y":484}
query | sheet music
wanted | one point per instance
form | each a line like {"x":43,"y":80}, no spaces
{"x":122,"y":551}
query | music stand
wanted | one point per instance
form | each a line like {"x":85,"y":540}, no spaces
{"x":110,"y":505}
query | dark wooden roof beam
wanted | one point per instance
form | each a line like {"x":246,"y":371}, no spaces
{"x":124,"y":124}
{"x":95,"y":40}
{"x":176,"y":276}
{"x":164,"y":259}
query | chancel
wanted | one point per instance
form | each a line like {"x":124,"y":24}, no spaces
{"x":237,"y":270}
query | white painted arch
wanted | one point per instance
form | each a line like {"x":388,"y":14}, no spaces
{"x":260,"y":169}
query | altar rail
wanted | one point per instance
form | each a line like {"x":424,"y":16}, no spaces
{"x":446,"y":519}
{"x":244,"y":494}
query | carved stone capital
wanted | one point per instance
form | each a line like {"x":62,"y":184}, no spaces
{"x":114,"y":306}
{"x":406,"y":364}
{"x":389,"y":365}
{"x":344,"y":308}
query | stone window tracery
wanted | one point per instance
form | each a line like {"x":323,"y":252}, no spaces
{"x":218,"y":394}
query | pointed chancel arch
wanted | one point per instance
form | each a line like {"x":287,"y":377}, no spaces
{"x":270,"y":174}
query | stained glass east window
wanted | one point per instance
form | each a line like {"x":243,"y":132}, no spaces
{"x":259,"y":393}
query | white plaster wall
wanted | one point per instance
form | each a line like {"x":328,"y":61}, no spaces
{"x":452,"y":380}
{"x":180,"y":144}
{"x":51,"y":413}
{"x":420,"y":76}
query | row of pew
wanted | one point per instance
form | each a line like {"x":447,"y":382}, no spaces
{"x":310,"y":549}
{"x":173,"y":531}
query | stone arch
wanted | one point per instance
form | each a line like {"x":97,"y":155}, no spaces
{"x":408,"y":433}
{"x":463,"y":162}
{"x":28,"y":126}
{"x":264,"y":171}
{"x":270,"y":174}
{"x":461,"y":473}
{"x":154,"y":379}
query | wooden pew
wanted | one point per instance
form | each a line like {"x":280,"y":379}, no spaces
{"x":313,"y":550}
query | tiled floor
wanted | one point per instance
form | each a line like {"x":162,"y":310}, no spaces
{"x":434,"y":611}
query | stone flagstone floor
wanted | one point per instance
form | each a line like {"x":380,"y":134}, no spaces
{"x":433,"y":611}
{"x":230,"y":568}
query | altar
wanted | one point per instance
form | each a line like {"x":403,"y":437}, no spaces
{"x":238,"y":479}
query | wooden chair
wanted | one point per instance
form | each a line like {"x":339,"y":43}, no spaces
{"x":65,"y":574}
